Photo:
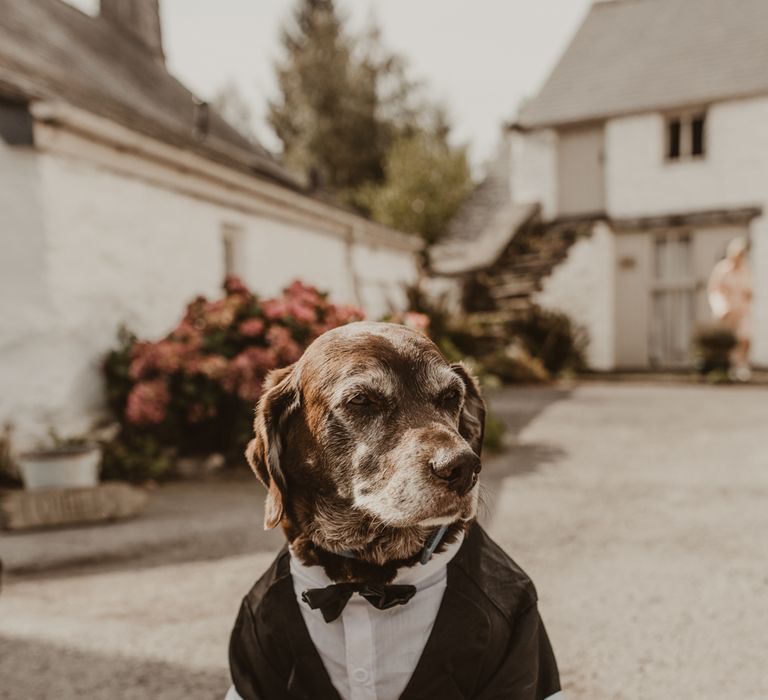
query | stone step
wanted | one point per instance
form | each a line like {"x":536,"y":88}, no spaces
{"x":511,"y":290}
{"x":515,"y":305}
{"x":535,"y":264}
{"x":532,"y":256}
{"x":21,"y":510}
{"x":515,"y":276}
{"x":507,"y":277}
{"x":491,"y":323}
{"x":541,"y":269}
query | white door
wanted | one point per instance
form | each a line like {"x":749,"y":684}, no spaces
{"x":673,"y":299}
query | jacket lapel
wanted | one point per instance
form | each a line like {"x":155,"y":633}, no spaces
{"x":451,"y":661}
{"x":308,"y":679}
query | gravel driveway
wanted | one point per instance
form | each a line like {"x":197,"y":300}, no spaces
{"x":641,"y":512}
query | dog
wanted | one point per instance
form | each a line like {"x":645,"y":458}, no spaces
{"x":369,"y":447}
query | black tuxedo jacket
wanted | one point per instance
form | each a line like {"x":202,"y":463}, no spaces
{"x":488,"y":641}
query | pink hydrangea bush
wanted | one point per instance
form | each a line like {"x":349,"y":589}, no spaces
{"x":195,"y":389}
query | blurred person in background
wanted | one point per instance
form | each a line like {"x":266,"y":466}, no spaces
{"x":730,"y":297}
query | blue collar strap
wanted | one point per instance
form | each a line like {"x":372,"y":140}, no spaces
{"x":426,"y":554}
{"x":432,"y":544}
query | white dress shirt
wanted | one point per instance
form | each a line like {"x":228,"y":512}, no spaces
{"x":371,"y":654}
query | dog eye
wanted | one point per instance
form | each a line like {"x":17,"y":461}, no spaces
{"x":361,"y":400}
{"x":450,"y":398}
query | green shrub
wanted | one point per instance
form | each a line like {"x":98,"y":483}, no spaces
{"x":136,"y":456}
{"x":456,"y":335}
{"x":493,"y":440}
{"x":713,"y":344}
{"x":553,"y":338}
{"x":514,"y":365}
{"x":193,"y":392}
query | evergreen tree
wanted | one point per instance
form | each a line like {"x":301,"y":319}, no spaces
{"x":327,"y":115}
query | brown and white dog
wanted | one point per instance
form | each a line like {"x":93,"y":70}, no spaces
{"x":367,"y":443}
{"x":369,"y":447}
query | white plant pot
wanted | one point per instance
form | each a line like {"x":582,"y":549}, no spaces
{"x":65,"y":468}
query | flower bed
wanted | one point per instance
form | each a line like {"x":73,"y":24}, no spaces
{"x":193,"y":392}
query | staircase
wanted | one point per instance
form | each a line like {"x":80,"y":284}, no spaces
{"x":502,"y":294}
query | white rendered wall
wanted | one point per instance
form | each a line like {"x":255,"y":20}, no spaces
{"x":759,"y":257}
{"x":381,"y":278}
{"x":734,"y":173}
{"x":277,"y":252}
{"x":28,"y":318}
{"x":533,"y":169}
{"x":581,"y":171}
{"x":93,"y":249}
{"x":23,"y":252}
{"x":583,"y":287}
{"x":446,"y":292}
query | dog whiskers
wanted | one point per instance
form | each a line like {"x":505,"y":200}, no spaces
{"x":484,"y":497}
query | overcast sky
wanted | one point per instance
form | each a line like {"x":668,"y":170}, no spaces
{"x":478,"y":57}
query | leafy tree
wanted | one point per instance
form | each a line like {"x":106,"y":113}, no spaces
{"x":426,"y":181}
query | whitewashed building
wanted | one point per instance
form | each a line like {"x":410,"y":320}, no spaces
{"x":648,"y":143}
{"x":122,"y":197}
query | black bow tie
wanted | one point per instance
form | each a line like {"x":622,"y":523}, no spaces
{"x":333,"y":599}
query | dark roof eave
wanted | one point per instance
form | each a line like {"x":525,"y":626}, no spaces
{"x":738,"y":216}
{"x":523,"y":124}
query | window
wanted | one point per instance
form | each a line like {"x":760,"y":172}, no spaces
{"x":675,"y":130}
{"x":16,"y":124}
{"x":697,"y":135}
{"x":673,"y":288}
{"x":232,"y":249}
{"x":686,"y":136}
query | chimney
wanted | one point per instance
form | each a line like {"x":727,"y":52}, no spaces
{"x":138,"y":19}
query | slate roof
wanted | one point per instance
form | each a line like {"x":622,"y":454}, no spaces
{"x":49,"y":49}
{"x":482,"y":227}
{"x":460,"y":256}
{"x":641,"y":55}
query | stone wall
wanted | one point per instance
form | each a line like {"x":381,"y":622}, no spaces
{"x":533,"y":168}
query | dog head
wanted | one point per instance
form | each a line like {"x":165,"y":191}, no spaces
{"x":370,"y":430}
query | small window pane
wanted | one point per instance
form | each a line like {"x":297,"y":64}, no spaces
{"x":697,"y":135}
{"x":674,"y":130}
{"x":232,"y":249}
{"x":660,"y":257}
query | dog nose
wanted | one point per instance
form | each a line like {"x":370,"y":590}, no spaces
{"x":460,"y":472}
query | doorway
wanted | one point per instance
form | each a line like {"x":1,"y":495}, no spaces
{"x":673,"y":299}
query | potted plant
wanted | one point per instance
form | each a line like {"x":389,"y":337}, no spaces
{"x":713,"y":345}
{"x":63,"y":464}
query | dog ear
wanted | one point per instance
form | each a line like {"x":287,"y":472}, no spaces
{"x":279,"y":400}
{"x":472,"y":419}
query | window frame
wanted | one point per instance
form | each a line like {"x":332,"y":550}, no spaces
{"x":686,"y":119}
{"x":232,"y":249}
